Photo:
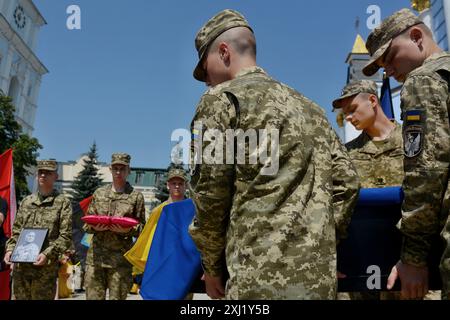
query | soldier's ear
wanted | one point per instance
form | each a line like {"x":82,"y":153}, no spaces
{"x":416,"y":36}
{"x":224,"y":52}
{"x":373,"y":99}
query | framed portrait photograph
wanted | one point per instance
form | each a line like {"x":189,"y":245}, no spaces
{"x":29,"y":245}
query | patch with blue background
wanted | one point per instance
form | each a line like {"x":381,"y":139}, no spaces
{"x":413,"y":116}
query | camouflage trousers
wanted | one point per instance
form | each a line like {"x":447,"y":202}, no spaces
{"x":445,"y":262}
{"x":98,"y":279}
{"x":34,"y":283}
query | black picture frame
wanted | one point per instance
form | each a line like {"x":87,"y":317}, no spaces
{"x":29,"y":245}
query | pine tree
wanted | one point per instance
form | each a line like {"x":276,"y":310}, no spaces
{"x":87,"y":180}
{"x":162,"y":193}
{"x":25,"y":148}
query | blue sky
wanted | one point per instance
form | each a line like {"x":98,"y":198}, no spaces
{"x":125,"y":79}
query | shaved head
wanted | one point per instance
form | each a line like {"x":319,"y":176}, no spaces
{"x":422,"y":27}
{"x":241,"y":39}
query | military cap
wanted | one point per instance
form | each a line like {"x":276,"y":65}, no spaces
{"x":381,"y":37}
{"x":49,"y":165}
{"x":176,"y":173}
{"x":120,"y":158}
{"x":221,"y":22}
{"x":354,"y":88}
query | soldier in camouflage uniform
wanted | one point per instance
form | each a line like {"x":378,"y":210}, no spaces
{"x":106,"y":266}
{"x":46,"y":209}
{"x":276,"y":229}
{"x":405,"y":48}
{"x":377,"y":152}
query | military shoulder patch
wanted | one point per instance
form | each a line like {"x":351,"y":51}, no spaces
{"x":414,"y":116}
{"x":412,"y":140}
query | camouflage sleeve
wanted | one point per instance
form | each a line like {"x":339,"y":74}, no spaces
{"x":140,"y":216}
{"x":212,"y":189}
{"x":427,"y":150}
{"x":16,"y":229}
{"x":345,"y":186}
{"x":64,"y":240}
{"x":92,"y":210}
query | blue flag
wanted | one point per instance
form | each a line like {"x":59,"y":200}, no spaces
{"x":173,"y":262}
{"x":386,"y":99}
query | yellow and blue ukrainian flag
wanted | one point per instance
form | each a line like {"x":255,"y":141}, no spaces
{"x":173,"y":262}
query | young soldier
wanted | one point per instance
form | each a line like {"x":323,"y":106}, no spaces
{"x":405,"y":48}
{"x":106,"y":266}
{"x":50,"y":210}
{"x":275,"y":228}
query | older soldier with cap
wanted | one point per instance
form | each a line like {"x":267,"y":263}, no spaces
{"x":50,"y":210}
{"x":106,"y":266}
{"x":405,"y":48}
{"x":377,"y":152}
{"x":274,"y":221}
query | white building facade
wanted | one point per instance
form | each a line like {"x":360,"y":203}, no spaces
{"x":440,"y":24}
{"x":20,"y":69}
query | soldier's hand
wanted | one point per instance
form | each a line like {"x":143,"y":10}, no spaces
{"x":100,"y":227}
{"x":7,"y":258}
{"x":414,"y":280}
{"x":214,"y":287}
{"x":118,"y":229}
{"x":340,"y":275}
{"x":41,"y":260}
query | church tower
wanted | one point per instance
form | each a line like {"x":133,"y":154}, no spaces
{"x":356,"y":60}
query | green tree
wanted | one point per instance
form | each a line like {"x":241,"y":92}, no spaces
{"x":87,"y":180}
{"x":25,"y":148}
{"x":162,"y":193}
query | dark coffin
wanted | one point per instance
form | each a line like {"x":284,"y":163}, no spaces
{"x":373,"y":239}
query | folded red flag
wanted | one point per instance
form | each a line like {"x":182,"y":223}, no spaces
{"x":94,"y":219}
{"x":125,"y":222}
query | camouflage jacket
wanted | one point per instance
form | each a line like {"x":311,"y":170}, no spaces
{"x":53,"y":213}
{"x":107,"y":247}
{"x":276,"y":229}
{"x":425,"y":103}
{"x":379,"y":163}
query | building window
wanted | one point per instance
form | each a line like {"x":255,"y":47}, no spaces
{"x":139,"y":178}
